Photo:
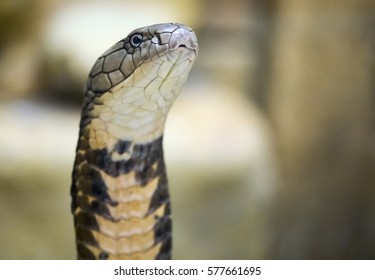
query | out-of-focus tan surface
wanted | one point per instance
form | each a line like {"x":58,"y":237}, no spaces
{"x":269,"y":149}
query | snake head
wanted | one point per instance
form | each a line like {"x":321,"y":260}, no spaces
{"x":156,"y":43}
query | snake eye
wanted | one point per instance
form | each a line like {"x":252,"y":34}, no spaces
{"x":136,"y":40}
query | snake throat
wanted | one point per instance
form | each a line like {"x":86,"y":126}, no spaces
{"x":120,"y":198}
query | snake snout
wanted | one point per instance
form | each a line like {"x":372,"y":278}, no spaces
{"x":183,"y":38}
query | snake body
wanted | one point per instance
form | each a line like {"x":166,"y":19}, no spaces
{"x":120,"y":198}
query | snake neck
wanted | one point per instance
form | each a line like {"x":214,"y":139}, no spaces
{"x":127,"y":112}
{"x":120,"y":199}
{"x":120,"y":190}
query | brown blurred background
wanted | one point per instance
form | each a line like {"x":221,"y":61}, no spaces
{"x":270,"y":147}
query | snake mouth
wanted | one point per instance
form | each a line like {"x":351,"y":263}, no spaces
{"x":184,"y":46}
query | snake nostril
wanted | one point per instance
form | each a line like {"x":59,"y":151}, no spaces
{"x":182,"y":46}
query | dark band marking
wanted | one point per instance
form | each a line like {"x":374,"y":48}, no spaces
{"x":87,"y":221}
{"x":160,"y":196}
{"x":143,"y":157}
{"x":84,"y":253}
{"x":162,"y":228}
{"x":165,"y":249}
{"x":103,"y":256}
{"x":122,"y":147}
{"x":85,"y":236}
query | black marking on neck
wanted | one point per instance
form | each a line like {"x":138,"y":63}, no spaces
{"x":143,"y":157}
{"x":122,"y":147}
{"x":84,"y":253}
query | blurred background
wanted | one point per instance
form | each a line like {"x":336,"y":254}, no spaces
{"x":270,"y":147}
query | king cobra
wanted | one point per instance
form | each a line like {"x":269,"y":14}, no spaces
{"x":120,"y":198}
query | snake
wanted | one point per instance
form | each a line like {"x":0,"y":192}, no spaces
{"x":120,"y":199}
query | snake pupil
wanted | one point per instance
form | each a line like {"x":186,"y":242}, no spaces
{"x":136,"y":40}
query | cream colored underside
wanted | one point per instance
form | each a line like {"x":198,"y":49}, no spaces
{"x":136,"y":109}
